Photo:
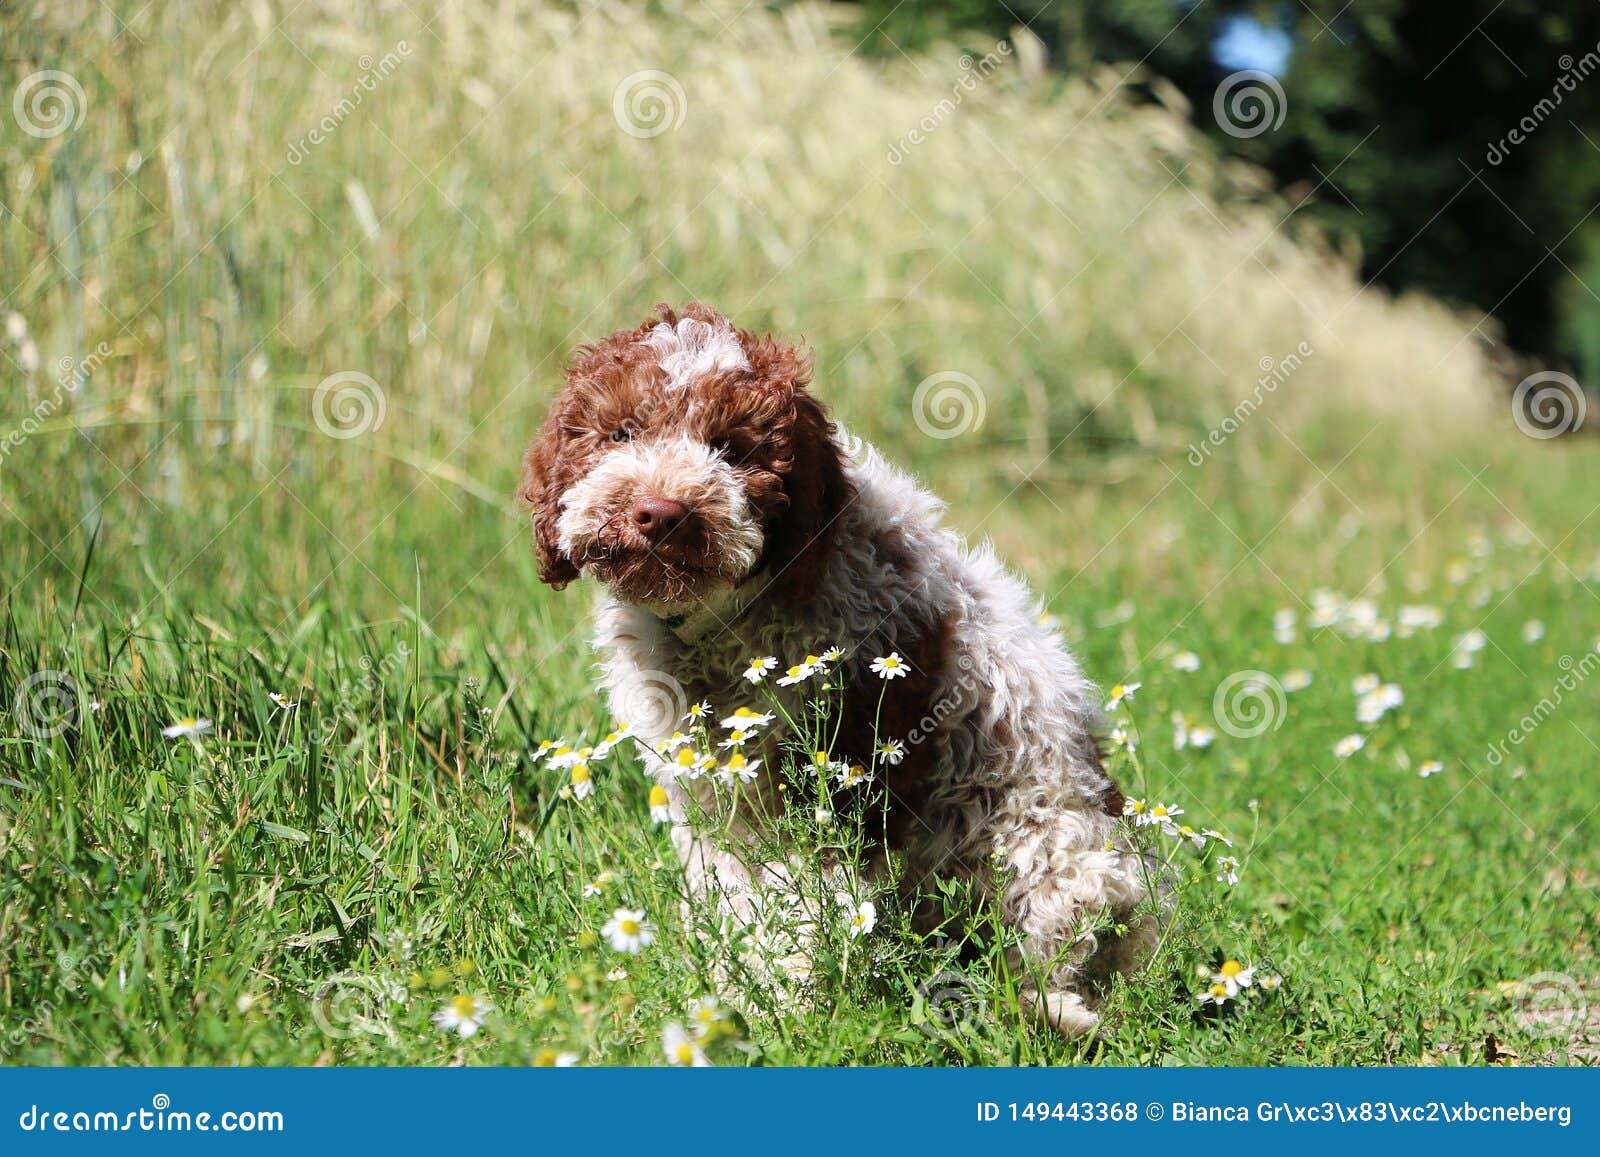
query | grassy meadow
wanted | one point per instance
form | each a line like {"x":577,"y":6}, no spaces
{"x":287,"y":287}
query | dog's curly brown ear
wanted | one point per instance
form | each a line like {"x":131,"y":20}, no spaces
{"x":544,"y":480}
{"x":808,"y":457}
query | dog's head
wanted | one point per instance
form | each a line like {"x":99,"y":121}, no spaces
{"x":683,"y":457}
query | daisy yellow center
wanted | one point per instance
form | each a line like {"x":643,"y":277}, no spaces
{"x":892,"y":663}
{"x":796,"y":672}
{"x":685,"y":757}
{"x":820,"y":757}
{"x":545,"y":1059}
{"x":813,"y":660}
{"x":1158,"y":811}
{"x":736,"y":759}
{"x":1140,"y":807}
{"x":629,"y":927}
{"x":580,"y":773}
{"x":658,"y":796}
{"x":464,"y":1006}
{"x":1231,"y":968}
{"x":1219,"y":990}
{"x":684,"y":1053}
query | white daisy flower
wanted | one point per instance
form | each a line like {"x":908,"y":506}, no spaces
{"x":1215,"y":993}
{"x":551,"y":1059}
{"x":1271,"y":982}
{"x":1430,"y":767}
{"x":673,"y":744}
{"x":1234,"y":976}
{"x":604,"y":748}
{"x":617,"y":975}
{"x":546,"y":746}
{"x":628,"y":930}
{"x":1185,"y":832}
{"x":598,"y":884}
{"x":864,"y":917}
{"x":464,"y":1015}
{"x":1472,"y":642}
{"x":799,"y":673}
{"x":746,"y":719}
{"x":1120,"y":739}
{"x":1201,"y":736}
{"x":890,"y":751}
{"x":686,"y":763}
{"x":582,"y":781}
{"x":564,"y":756}
{"x":659,"y":813}
{"x":890,"y":666}
{"x":1136,"y":810}
{"x":282,"y":702}
{"x":1121,"y":692}
{"x":705,"y":1014}
{"x":854,"y":775}
{"x":823,"y":816}
{"x":1532,"y":631}
{"x":1180,"y":731}
{"x":736,"y":738}
{"x":1229,"y":870}
{"x":1296,"y":680}
{"x":682,"y":1050}
{"x":188,"y":726}
{"x":1186,"y":661}
{"x":1365,"y":684}
{"x":738,"y":766}
{"x":1348,"y":746}
{"x":833,"y":654}
{"x":758,"y":668}
{"x":1213,"y":834}
{"x":1159,"y":814}
{"x":697,"y":712}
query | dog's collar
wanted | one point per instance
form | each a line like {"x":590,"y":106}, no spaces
{"x":693,"y":625}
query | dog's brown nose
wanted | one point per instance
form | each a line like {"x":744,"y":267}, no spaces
{"x":654,"y":516}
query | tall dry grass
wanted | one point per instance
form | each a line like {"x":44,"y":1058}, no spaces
{"x":478,"y":208}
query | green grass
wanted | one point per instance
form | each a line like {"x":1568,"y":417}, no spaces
{"x":183,"y":540}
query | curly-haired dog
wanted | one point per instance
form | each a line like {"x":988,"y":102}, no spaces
{"x":686,"y":467}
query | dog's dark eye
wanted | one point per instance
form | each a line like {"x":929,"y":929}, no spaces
{"x":621,"y":434}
